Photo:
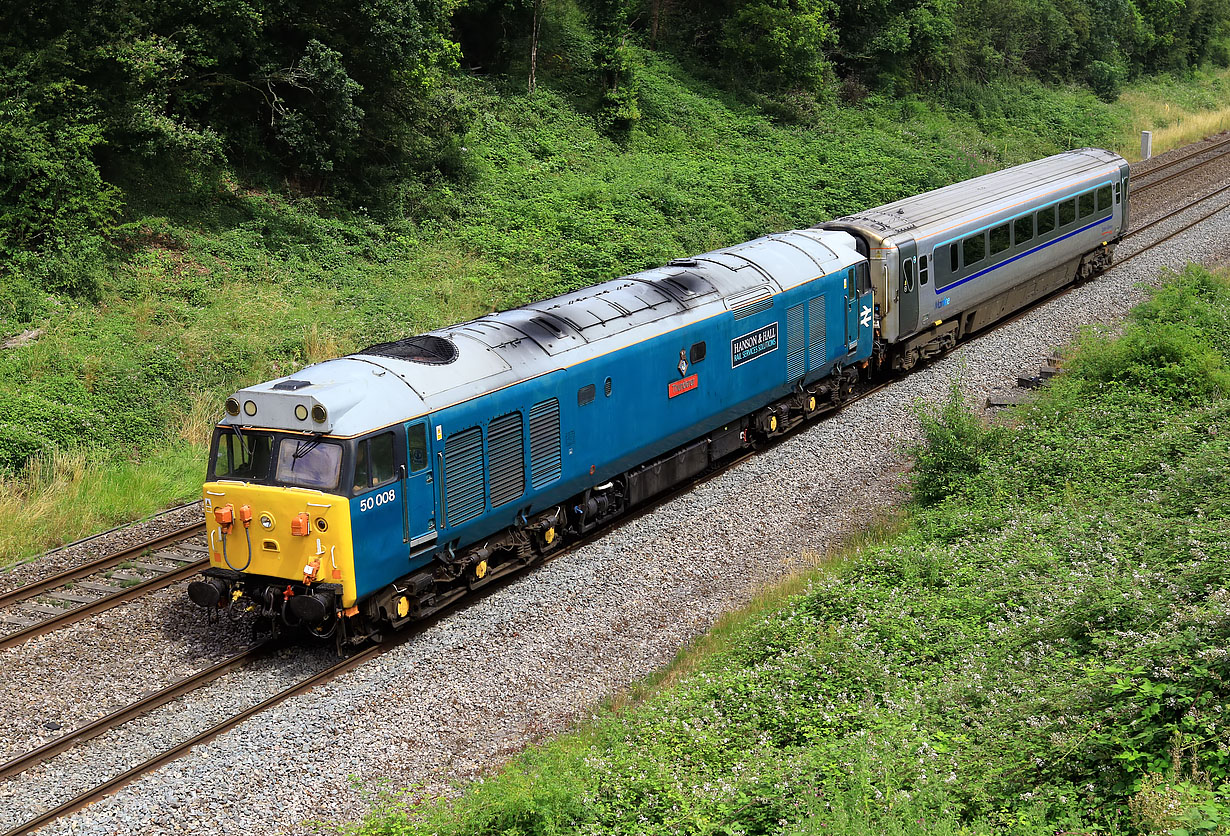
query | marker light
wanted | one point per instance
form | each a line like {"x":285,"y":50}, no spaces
{"x":301,"y":412}
{"x":249,"y":408}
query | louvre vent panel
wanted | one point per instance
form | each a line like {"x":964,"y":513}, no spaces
{"x":754,"y":308}
{"x":795,"y":344}
{"x":463,"y":475}
{"x":506,"y":454}
{"x":545,"y":459}
{"x":815,"y":332}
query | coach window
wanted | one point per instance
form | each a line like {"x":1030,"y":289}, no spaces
{"x":1046,"y":221}
{"x":922,"y":270}
{"x":1086,"y":204}
{"x":952,"y":254}
{"x":585,"y":395}
{"x":1103,"y":198}
{"x":697,"y":353}
{"x":1023,"y":230}
{"x":1000,"y":239}
{"x":907,"y":275}
{"x":1067,"y":212}
{"x":974,"y":248}
{"x":417,"y":437}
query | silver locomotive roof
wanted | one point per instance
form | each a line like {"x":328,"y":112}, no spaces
{"x":933,"y":212}
{"x":397,"y":381}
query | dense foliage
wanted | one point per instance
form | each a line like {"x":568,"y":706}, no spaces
{"x":1042,"y":650}
{"x":364,"y":101}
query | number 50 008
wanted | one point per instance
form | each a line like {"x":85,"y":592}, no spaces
{"x":367,"y":503}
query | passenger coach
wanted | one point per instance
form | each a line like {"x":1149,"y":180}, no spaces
{"x":952,"y":261}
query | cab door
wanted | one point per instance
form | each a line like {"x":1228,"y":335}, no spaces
{"x":419,"y":524}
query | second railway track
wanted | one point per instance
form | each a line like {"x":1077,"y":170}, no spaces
{"x":82,"y":591}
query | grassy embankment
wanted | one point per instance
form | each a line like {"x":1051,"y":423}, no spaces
{"x":222,"y":287}
{"x":1037,"y":647}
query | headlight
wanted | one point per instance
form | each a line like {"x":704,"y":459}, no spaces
{"x":232,"y":406}
{"x":319,"y":414}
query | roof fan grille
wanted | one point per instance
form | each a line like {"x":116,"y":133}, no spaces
{"x":425,"y":348}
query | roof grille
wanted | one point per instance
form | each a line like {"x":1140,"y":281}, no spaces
{"x":425,"y":348}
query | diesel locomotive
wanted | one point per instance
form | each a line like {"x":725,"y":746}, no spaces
{"x":368,"y":491}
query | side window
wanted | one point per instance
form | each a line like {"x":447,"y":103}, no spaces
{"x":380,"y":454}
{"x":585,"y":395}
{"x":417,"y":439}
{"x":974,"y":248}
{"x":1086,"y":204}
{"x":952,"y":255}
{"x":1046,"y":221}
{"x":922,"y":269}
{"x":1023,"y":230}
{"x":1067,"y":212}
{"x":907,"y":275}
{"x":697,"y":353}
{"x":373,"y":462}
{"x":1104,"y":198}
{"x":1000,"y":239}
{"x":1118,"y":192}
{"x":362,"y":469}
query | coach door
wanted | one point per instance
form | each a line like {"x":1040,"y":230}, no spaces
{"x":419,"y":497}
{"x":907,"y":277}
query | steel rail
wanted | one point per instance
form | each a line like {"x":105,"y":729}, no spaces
{"x":21,"y":763}
{"x":121,"y":780}
{"x":1146,"y":186}
{"x":103,"y":604}
{"x":1188,"y":156}
{"x":95,"y":566}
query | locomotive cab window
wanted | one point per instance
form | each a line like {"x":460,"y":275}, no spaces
{"x":416,"y":438}
{"x":243,"y":456}
{"x":1023,"y":230}
{"x":374,"y":462}
{"x":1104,"y":198}
{"x":697,"y":353}
{"x":1067,"y":212}
{"x":1000,"y":239}
{"x":1046,"y":221}
{"x":1086,"y":205}
{"x":585,"y":395}
{"x":974,"y":248}
{"x":309,"y":463}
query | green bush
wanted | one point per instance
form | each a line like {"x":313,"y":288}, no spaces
{"x":956,"y":446}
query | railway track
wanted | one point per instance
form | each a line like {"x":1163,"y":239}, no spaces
{"x":1153,"y":183}
{"x":78,"y":593}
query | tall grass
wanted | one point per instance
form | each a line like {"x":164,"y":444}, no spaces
{"x":1178,"y":113}
{"x":69,"y":494}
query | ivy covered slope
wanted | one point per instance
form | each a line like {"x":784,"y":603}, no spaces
{"x":1039,"y":648}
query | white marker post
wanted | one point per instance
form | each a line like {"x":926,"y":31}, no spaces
{"x":1146,"y":144}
